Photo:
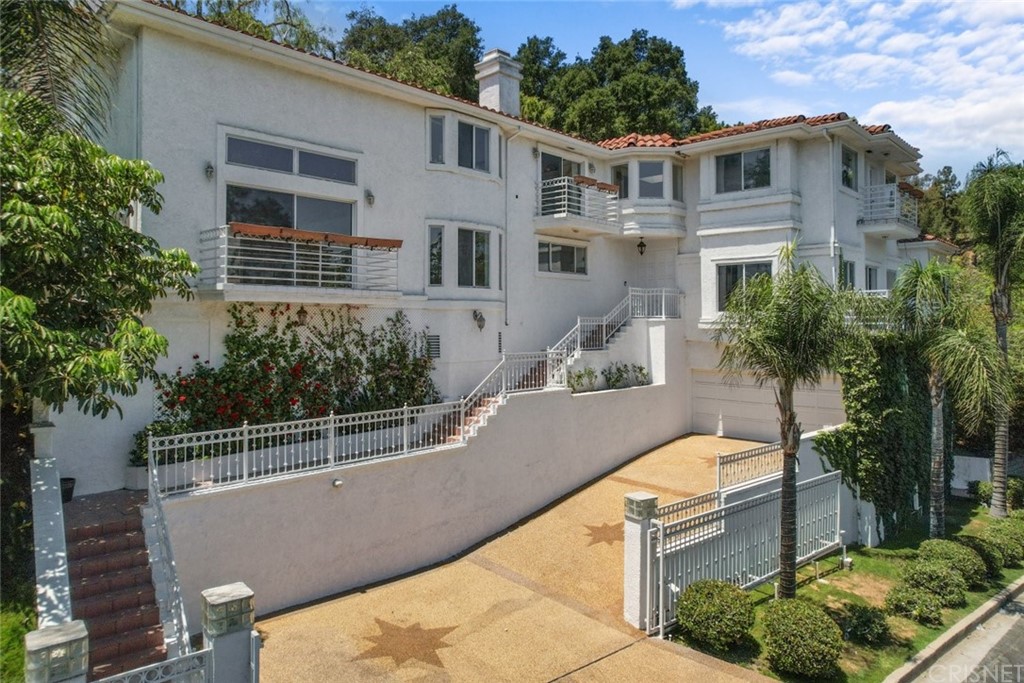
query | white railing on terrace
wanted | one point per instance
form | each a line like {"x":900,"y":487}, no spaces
{"x":877,"y":293}
{"x":593,"y":334}
{"x":239,"y":254}
{"x":741,"y":467}
{"x":578,"y":196}
{"x":688,"y":507}
{"x":195,"y":667}
{"x":738,"y":543}
{"x":204,"y":460}
{"x":172,"y":603}
{"x":879,"y":203}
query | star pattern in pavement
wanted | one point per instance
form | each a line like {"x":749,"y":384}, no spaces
{"x":403,"y":643}
{"x":605,"y":533}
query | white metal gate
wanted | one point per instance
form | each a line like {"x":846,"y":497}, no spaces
{"x":738,"y":543}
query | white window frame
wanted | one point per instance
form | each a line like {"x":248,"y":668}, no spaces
{"x":433,"y":116}
{"x":476,"y":129}
{"x":719,"y":303}
{"x":868,"y":268}
{"x":431,"y":227}
{"x":639,"y":180}
{"x":677,"y":183}
{"x":849,"y":173}
{"x":562,"y":273}
{"x":490,"y":257}
{"x":743,"y":179}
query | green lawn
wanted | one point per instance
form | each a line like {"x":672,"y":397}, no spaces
{"x":875,"y":570}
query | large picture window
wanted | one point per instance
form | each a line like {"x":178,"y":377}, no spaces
{"x":733,"y":275}
{"x":269,"y":157}
{"x":474,"y":147}
{"x":288,"y":210}
{"x":743,"y":171}
{"x":474,"y":258}
{"x":561,"y":258}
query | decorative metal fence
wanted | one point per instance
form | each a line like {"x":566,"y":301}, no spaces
{"x":749,"y":465}
{"x":738,"y":543}
{"x":195,"y":667}
{"x":688,"y":507}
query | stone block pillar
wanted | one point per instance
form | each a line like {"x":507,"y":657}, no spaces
{"x":640,"y":509}
{"x":57,"y":653}
{"x":228,"y":617}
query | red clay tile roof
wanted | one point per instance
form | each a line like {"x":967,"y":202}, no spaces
{"x":878,"y":129}
{"x":637,"y":140}
{"x":925,"y":237}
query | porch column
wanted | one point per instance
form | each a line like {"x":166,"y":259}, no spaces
{"x":640,"y":509}
{"x":228,"y":616}
{"x":57,"y":653}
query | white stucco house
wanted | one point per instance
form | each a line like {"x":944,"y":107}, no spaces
{"x":494,"y":232}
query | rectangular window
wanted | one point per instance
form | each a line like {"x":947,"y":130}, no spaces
{"x":890,"y":279}
{"x":849,"y":170}
{"x":620,"y":177}
{"x":553,"y":166}
{"x":287,"y":210}
{"x":561,"y":258}
{"x":743,"y":171}
{"x":733,"y":275}
{"x":328,"y":168}
{"x":652,"y":179}
{"x":436,"y":274}
{"x":260,"y":155}
{"x":847,"y":273}
{"x":437,"y":139}
{"x":870,"y":278}
{"x":677,"y":182}
{"x":474,"y":147}
{"x":474,"y":258}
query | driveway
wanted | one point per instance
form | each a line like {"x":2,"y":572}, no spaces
{"x":540,"y":602}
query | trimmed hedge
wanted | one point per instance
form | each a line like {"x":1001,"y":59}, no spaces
{"x":958,"y":557}
{"x":938,"y":579}
{"x":800,"y":638}
{"x":980,"y":491}
{"x":914,"y":603}
{"x":1001,"y":534}
{"x":715,"y":614}
{"x":987,"y":551}
{"x":865,"y":624}
{"x":1015,"y":493}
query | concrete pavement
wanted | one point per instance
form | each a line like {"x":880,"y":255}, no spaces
{"x":540,"y":602}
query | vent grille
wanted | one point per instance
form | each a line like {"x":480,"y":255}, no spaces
{"x":501,"y":346}
{"x":433,"y":346}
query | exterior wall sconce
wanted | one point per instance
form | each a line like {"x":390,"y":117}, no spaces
{"x":370,"y":199}
{"x":536,"y":153}
{"x":641,"y":246}
{"x":591,"y":167}
{"x":480,"y":320}
{"x":302,"y":316}
{"x":209,"y":170}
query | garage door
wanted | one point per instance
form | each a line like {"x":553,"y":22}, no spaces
{"x":739,"y":408}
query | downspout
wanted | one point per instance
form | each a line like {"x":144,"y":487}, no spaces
{"x":832,"y":202}
{"x":508,"y":238}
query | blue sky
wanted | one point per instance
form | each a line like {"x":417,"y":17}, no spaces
{"x":948,"y":75}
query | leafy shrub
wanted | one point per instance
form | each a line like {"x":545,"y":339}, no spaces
{"x":980,"y":491}
{"x":139,"y":455}
{"x":622,"y":376}
{"x":801,"y":639}
{"x":1015,"y":493}
{"x":1017,"y":514}
{"x":715,"y":613}
{"x":938,"y":579}
{"x":582,"y":380}
{"x":958,"y":557}
{"x":987,"y":551}
{"x":914,"y":603}
{"x":1013,"y":529}
{"x":1009,"y":548}
{"x":15,"y":622}
{"x":865,"y":624}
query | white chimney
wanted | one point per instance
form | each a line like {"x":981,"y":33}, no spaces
{"x":499,"y":77}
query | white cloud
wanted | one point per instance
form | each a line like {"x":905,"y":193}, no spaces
{"x":794,"y":79}
{"x":758,"y":108}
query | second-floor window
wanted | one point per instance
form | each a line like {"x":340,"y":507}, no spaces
{"x":437,"y":139}
{"x":474,"y":147}
{"x":652,"y":179}
{"x":620,"y":177}
{"x":743,"y":171}
{"x":474,"y":258}
{"x":288,"y":210}
{"x":733,"y":275}
{"x":561,"y":258}
{"x":269,"y":157}
{"x":677,"y":183}
{"x":870,"y":277}
{"x":849,"y":170}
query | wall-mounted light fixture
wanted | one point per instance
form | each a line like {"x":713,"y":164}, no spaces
{"x":209,"y":170}
{"x":480,"y":320}
{"x":370,"y":199}
{"x":536,"y":152}
{"x":591,"y":167}
{"x":641,"y":246}
{"x":301,"y":316}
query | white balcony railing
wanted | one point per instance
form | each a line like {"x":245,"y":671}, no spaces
{"x":578,"y":196}
{"x":888,"y":203}
{"x":242,"y":254}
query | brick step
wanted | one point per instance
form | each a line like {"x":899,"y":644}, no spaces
{"x":106,"y":544}
{"x":83,"y":531}
{"x":114,"y":602}
{"x":125,"y":620}
{"x":88,"y":586}
{"x":121,"y":645}
{"x":127,"y":663}
{"x":111,"y":562}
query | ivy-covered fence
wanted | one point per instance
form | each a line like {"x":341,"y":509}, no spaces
{"x":280,"y":365}
{"x":884,"y":447}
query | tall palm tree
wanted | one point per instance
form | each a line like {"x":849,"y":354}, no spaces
{"x":931,"y":309}
{"x":993,"y":208}
{"x":785,"y":331}
{"x":60,"y":51}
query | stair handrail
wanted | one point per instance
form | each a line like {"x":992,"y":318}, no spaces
{"x":176,"y":603}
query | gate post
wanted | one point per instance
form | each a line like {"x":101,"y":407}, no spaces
{"x":640,"y":509}
{"x":228,"y":616}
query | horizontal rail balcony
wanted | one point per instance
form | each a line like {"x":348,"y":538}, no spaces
{"x":245,"y":257}
{"x":577,"y":206}
{"x":888,"y":211}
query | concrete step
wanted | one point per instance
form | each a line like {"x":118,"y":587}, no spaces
{"x":88,"y":586}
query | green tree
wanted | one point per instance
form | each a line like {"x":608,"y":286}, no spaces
{"x":939,"y":211}
{"x":785,"y":331}
{"x":278,"y":20}
{"x":542,"y":62}
{"x":963,"y":362}
{"x":993,"y":208}
{"x":60,"y":52}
